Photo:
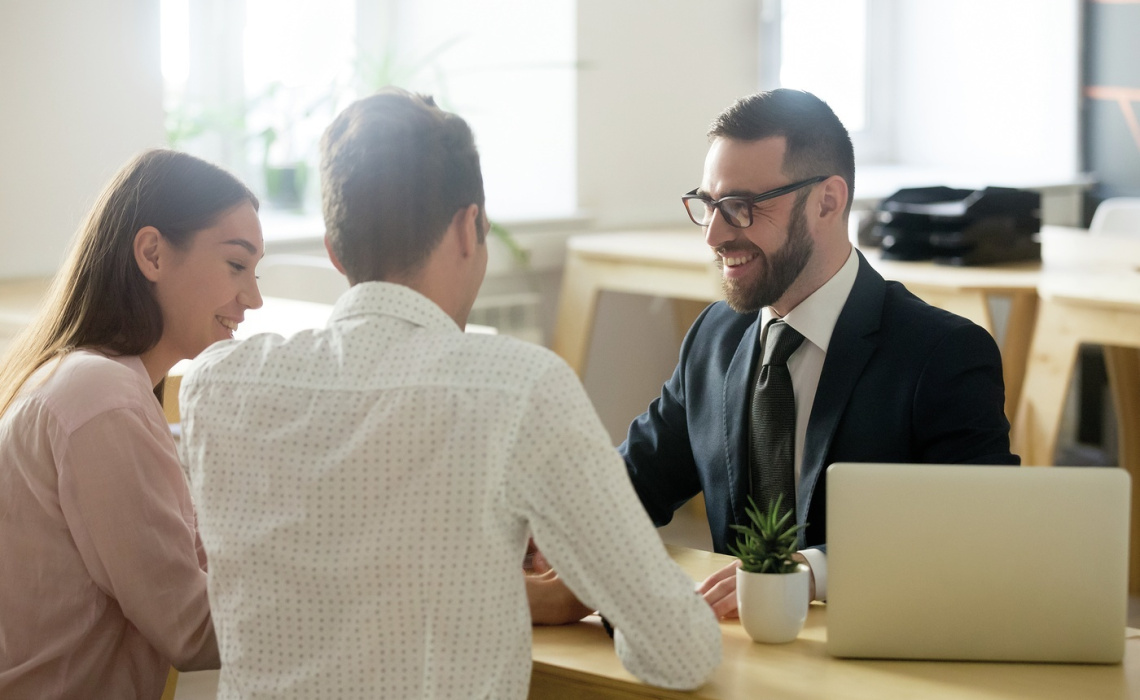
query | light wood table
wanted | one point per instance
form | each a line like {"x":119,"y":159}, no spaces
{"x":679,"y":266}
{"x":578,"y":661}
{"x":1096,"y":308}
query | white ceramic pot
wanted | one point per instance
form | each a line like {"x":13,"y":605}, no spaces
{"x":773,"y":607}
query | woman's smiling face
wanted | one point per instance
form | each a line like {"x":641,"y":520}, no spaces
{"x":205,"y":289}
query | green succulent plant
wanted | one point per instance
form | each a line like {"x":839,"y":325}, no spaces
{"x":767,"y":545}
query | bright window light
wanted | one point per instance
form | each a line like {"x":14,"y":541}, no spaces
{"x":298,"y":59}
{"x":175,"y":44}
{"x":253,"y":85}
{"x":823,"y":50}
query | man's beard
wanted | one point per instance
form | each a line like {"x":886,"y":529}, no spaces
{"x":784,"y":267}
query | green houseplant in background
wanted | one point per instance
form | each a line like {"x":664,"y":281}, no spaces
{"x":279,"y":128}
{"x":772,"y":590}
{"x":374,"y":72}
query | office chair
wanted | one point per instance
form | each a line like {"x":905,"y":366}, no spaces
{"x":1117,"y":216}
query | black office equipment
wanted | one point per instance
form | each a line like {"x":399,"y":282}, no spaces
{"x":959,"y":227}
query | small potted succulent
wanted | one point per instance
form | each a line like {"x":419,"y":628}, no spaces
{"x":771,"y":588}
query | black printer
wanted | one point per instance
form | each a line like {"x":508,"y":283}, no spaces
{"x":959,"y":227}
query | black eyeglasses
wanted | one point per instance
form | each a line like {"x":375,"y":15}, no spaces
{"x":736,"y":210}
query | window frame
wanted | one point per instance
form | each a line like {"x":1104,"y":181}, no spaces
{"x":874,"y":143}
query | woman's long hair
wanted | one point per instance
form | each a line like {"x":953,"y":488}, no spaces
{"x":100,"y":298}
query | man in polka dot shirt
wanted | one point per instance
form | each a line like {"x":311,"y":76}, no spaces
{"x":366,"y":491}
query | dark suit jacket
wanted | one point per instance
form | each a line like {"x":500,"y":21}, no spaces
{"x":902,"y":382}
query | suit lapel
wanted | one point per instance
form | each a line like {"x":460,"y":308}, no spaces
{"x":852,"y":343}
{"x":737,"y":387}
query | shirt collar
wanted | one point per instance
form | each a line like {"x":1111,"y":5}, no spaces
{"x":389,"y":299}
{"x":135,"y":364}
{"x":814,"y":317}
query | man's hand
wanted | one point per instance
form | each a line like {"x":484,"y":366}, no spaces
{"x":551,"y":602}
{"x":719,"y":590}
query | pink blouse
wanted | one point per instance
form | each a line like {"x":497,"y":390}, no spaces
{"x":102,"y":573}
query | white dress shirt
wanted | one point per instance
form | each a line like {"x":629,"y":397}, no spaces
{"x":365,"y":494}
{"x":814,"y":318}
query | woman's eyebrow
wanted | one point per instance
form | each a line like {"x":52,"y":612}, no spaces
{"x":243,"y":243}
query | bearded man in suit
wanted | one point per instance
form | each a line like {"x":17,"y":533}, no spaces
{"x":877,"y":374}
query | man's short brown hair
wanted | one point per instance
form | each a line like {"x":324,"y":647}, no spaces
{"x":395,"y":169}
{"x":817,"y":142}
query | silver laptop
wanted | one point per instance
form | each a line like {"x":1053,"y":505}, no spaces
{"x":977,"y":563}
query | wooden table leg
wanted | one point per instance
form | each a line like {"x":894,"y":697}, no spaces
{"x":1052,"y":355}
{"x":1015,"y":348}
{"x":1124,"y":378}
{"x":577,"y":305}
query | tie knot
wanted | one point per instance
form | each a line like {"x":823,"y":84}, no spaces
{"x":781,"y":342}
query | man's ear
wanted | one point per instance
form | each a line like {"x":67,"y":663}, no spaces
{"x":834,"y":199}
{"x":466,"y":222}
{"x":148,"y":252}
{"x":332,"y":256}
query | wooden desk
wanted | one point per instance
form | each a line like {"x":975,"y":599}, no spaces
{"x":1080,"y":307}
{"x":678,"y":265}
{"x":578,"y":661}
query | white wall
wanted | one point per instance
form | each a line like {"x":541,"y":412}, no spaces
{"x":655,"y":73}
{"x":988,"y":85}
{"x":81,"y":89}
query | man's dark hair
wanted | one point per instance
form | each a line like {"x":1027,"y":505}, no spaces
{"x":817,"y":142}
{"x":395,"y":169}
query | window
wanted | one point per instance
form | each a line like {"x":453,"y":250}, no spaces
{"x":823,"y":49}
{"x":253,"y":85}
{"x":839,"y":51}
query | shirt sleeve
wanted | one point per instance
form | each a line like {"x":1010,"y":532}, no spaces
{"x":817,"y":560}
{"x":127,"y":505}
{"x":572,"y":487}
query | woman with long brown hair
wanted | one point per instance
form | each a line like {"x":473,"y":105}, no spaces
{"x":102,"y":573}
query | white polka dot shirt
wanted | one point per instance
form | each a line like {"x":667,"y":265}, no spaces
{"x":365,"y":493}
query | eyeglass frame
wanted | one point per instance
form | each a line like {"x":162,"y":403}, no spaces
{"x":752,"y":200}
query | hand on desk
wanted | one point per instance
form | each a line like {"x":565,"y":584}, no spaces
{"x":551,"y":602}
{"x":719,"y":590}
